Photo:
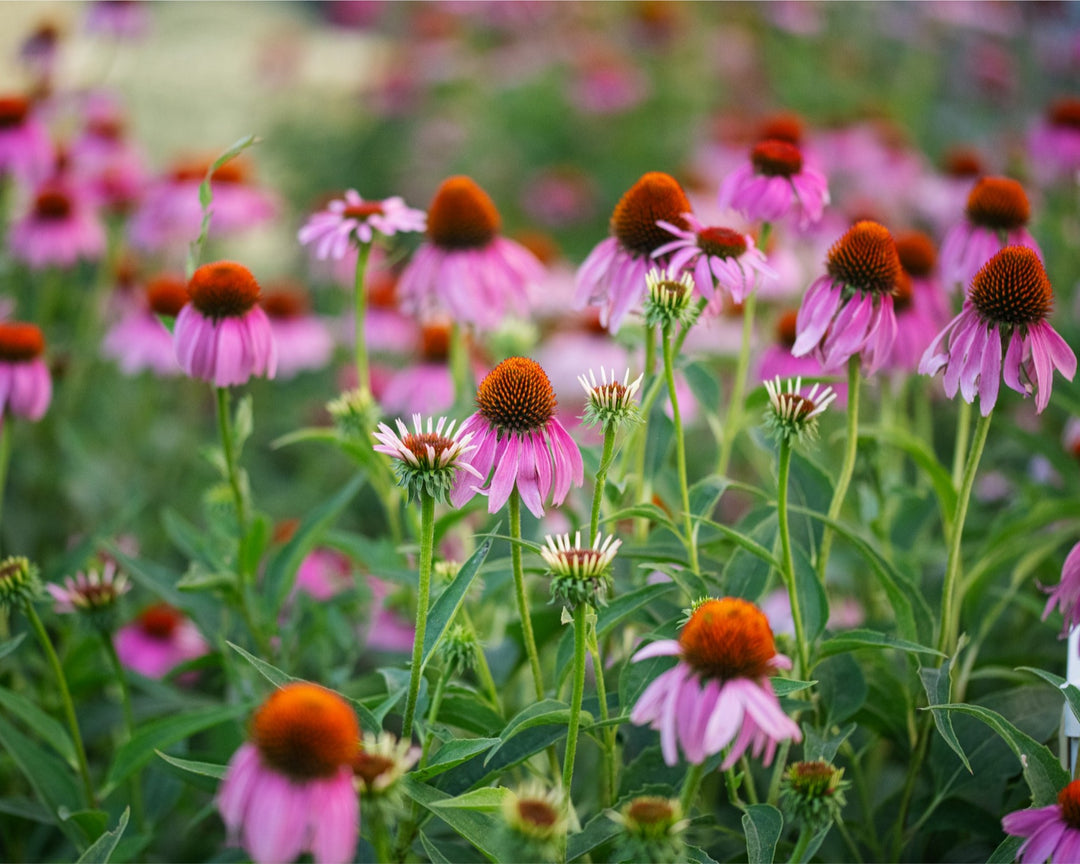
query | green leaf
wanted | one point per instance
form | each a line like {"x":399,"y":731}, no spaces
{"x":243,"y":424}
{"x":283,"y":566}
{"x":489,"y":799}
{"x":480,"y":829}
{"x":705,"y":385}
{"x":206,"y":198}
{"x":102,"y":849}
{"x":154,"y":578}
{"x":194,"y":542}
{"x":154,"y":736}
{"x":787,"y":686}
{"x":643,"y":511}
{"x":452,"y":754}
{"x":9,"y":645}
{"x":851,"y":640}
{"x":270,"y":672}
{"x":1042,"y":770}
{"x":762,"y":824}
{"x":924,"y":457}
{"x":841,"y":686}
{"x":599,"y":830}
{"x":705,"y":494}
{"x":810,"y":593}
{"x":449,"y":601}
{"x":744,"y":542}
{"x":817,"y":746}
{"x":203,"y":769}
{"x":1006,"y":851}
{"x":937,"y":684}
{"x":1070,"y":691}
{"x":549,"y":712}
{"x":432,"y":851}
{"x":40,"y":723}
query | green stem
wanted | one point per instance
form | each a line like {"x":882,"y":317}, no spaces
{"x":522,"y":596}
{"x":950,"y":599}
{"x":610,"y":785}
{"x":227,"y":446}
{"x":483,"y":671}
{"x":129,"y":726}
{"x":433,"y":712}
{"x":5,"y":460}
{"x":788,"y":561}
{"x":848,"y":467}
{"x":805,"y":835}
{"x":363,"y":372}
{"x":380,"y":838}
{"x":738,"y":387}
{"x":778,"y":772}
{"x":427,"y":553}
{"x":691,"y":784}
{"x":459,"y":364}
{"x":601,"y":481}
{"x":575,"y":700}
{"x":641,"y":441}
{"x":748,"y":780}
{"x":680,"y":451}
{"x":65,"y":701}
{"x":960,"y":448}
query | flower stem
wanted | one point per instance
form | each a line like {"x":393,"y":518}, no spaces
{"x":788,"y":562}
{"x":522,"y":596}
{"x":433,"y":711}
{"x":459,"y":364}
{"x":641,"y":482}
{"x":483,"y":671}
{"x":363,"y":373}
{"x":610,"y":785}
{"x":65,"y":700}
{"x":738,"y":388}
{"x":601,"y":481}
{"x":680,"y":452}
{"x":575,"y":700}
{"x":427,"y":553}
{"x":129,"y":725}
{"x":5,"y":460}
{"x":691,"y":784}
{"x":950,"y":599}
{"x":805,"y":835}
{"x":848,"y":467}
{"x":960,"y":448}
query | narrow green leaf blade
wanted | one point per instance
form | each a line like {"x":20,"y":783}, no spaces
{"x":102,"y":849}
{"x":446,"y":606}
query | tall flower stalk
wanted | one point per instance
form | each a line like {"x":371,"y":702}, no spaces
{"x":847,"y":468}
{"x":363,"y":371}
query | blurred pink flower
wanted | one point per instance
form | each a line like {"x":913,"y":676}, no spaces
{"x":105,"y":159}
{"x":1066,"y":594}
{"x":26,"y":151}
{"x":324,"y":573}
{"x":427,"y":385}
{"x":1054,"y":142}
{"x":25,"y":384}
{"x":304,"y":341}
{"x":138,"y":341}
{"x":160,"y":639}
{"x":348,"y":221}
{"x":775,"y":183}
{"x":120,"y":19}
{"x":60,"y":228}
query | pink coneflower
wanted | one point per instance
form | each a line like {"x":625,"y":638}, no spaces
{"x":1054,"y":142}
{"x":1006,"y":305}
{"x":89,"y":592}
{"x":613,"y":276}
{"x":158,"y":641}
{"x":777,"y":361}
{"x":606,"y":83}
{"x":849,"y":310}
{"x":324,"y":573}
{"x":138,"y":341}
{"x":169,"y":215}
{"x":1051,"y":832}
{"x":718,"y":694}
{"x":104,"y":157}
{"x":290,"y":788}
{"x":348,"y":221}
{"x":25,"y":385}
{"x":720,"y":256}
{"x":26,"y":151}
{"x":59,"y":229}
{"x":774,"y":183}
{"x":515,"y":431}
{"x":919,"y":303}
{"x":427,"y":385}
{"x":465,"y":267}
{"x":304,"y":341}
{"x":222,"y":335}
{"x":1066,"y":594}
{"x":996,"y":216}
{"x":942,"y":194}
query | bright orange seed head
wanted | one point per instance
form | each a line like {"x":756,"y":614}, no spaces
{"x":865,"y":258}
{"x":917,"y":252}
{"x":776,"y":158}
{"x":20,"y":342}
{"x":1069,"y":800}
{"x":167,"y":294}
{"x":1012,"y":288}
{"x":998,"y":203}
{"x":516,"y":396}
{"x":306,"y":731}
{"x":223,"y":289}
{"x":462,"y":215}
{"x":728,"y":638}
{"x":721,"y":242}
{"x":786,"y":330}
{"x":654,"y":196}
{"x":160,"y":621}
{"x":13,"y":111}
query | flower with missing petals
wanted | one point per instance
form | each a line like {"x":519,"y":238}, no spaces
{"x":466,"y":267}
{"x":427,"y":462}
{"x":1004,"y":313}
{"x":718,"y":695}
{"x":290,"y":788}
{"x":668,"y":299}
{"x":380,"y":762}
{"x":610,"y":403}
{"x":1051,"y":832}
{"x":996,"y":216}
{"x":579,"y":574}
{"x":850,"y":310}
{"x":94,"y":594}
{"x":518,"y":436}
{"x":351,"y":221}
{"x":812,"y":793}
{"x":791,"y":415}
{"x":1066,"y":594}
{"x":774,"y":182}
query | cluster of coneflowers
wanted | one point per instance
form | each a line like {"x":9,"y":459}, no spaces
{"x":311,"y":765}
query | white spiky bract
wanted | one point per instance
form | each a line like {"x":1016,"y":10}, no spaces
{"x":577,"y":562}
{"x":792,"y":414}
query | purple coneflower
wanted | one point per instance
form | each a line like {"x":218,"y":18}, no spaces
{"x":290,"y":789}
{"x":849,"y":311}
{"x":348,"y":221}
{"x":996,"y":216}
{"x":59,"y":229}
{"x":1066,"y":594}
{"x":466,"y":267}
{"x":1054,"y":142}
{"x":139,"y":341}
{"x":777,"y":361}
{"x":89,"y":592}
{"x":158,"y":640}
{"x":26,"y":151}
{"x":304,"y":341}
{"x":1051,"y":832}
{"x":1005,"y":312}
{"x":720,"y":256}
{"x":222,"y":335}
{"x":25,"y":385}
{"x":920,"y":305}
{"x":613,"y":276}
{"x":431,"y":461}
{"x":427,"y":385}
{"x":516,"y":431}
{"x":718,"y":694}
{"x":775,"y":182}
